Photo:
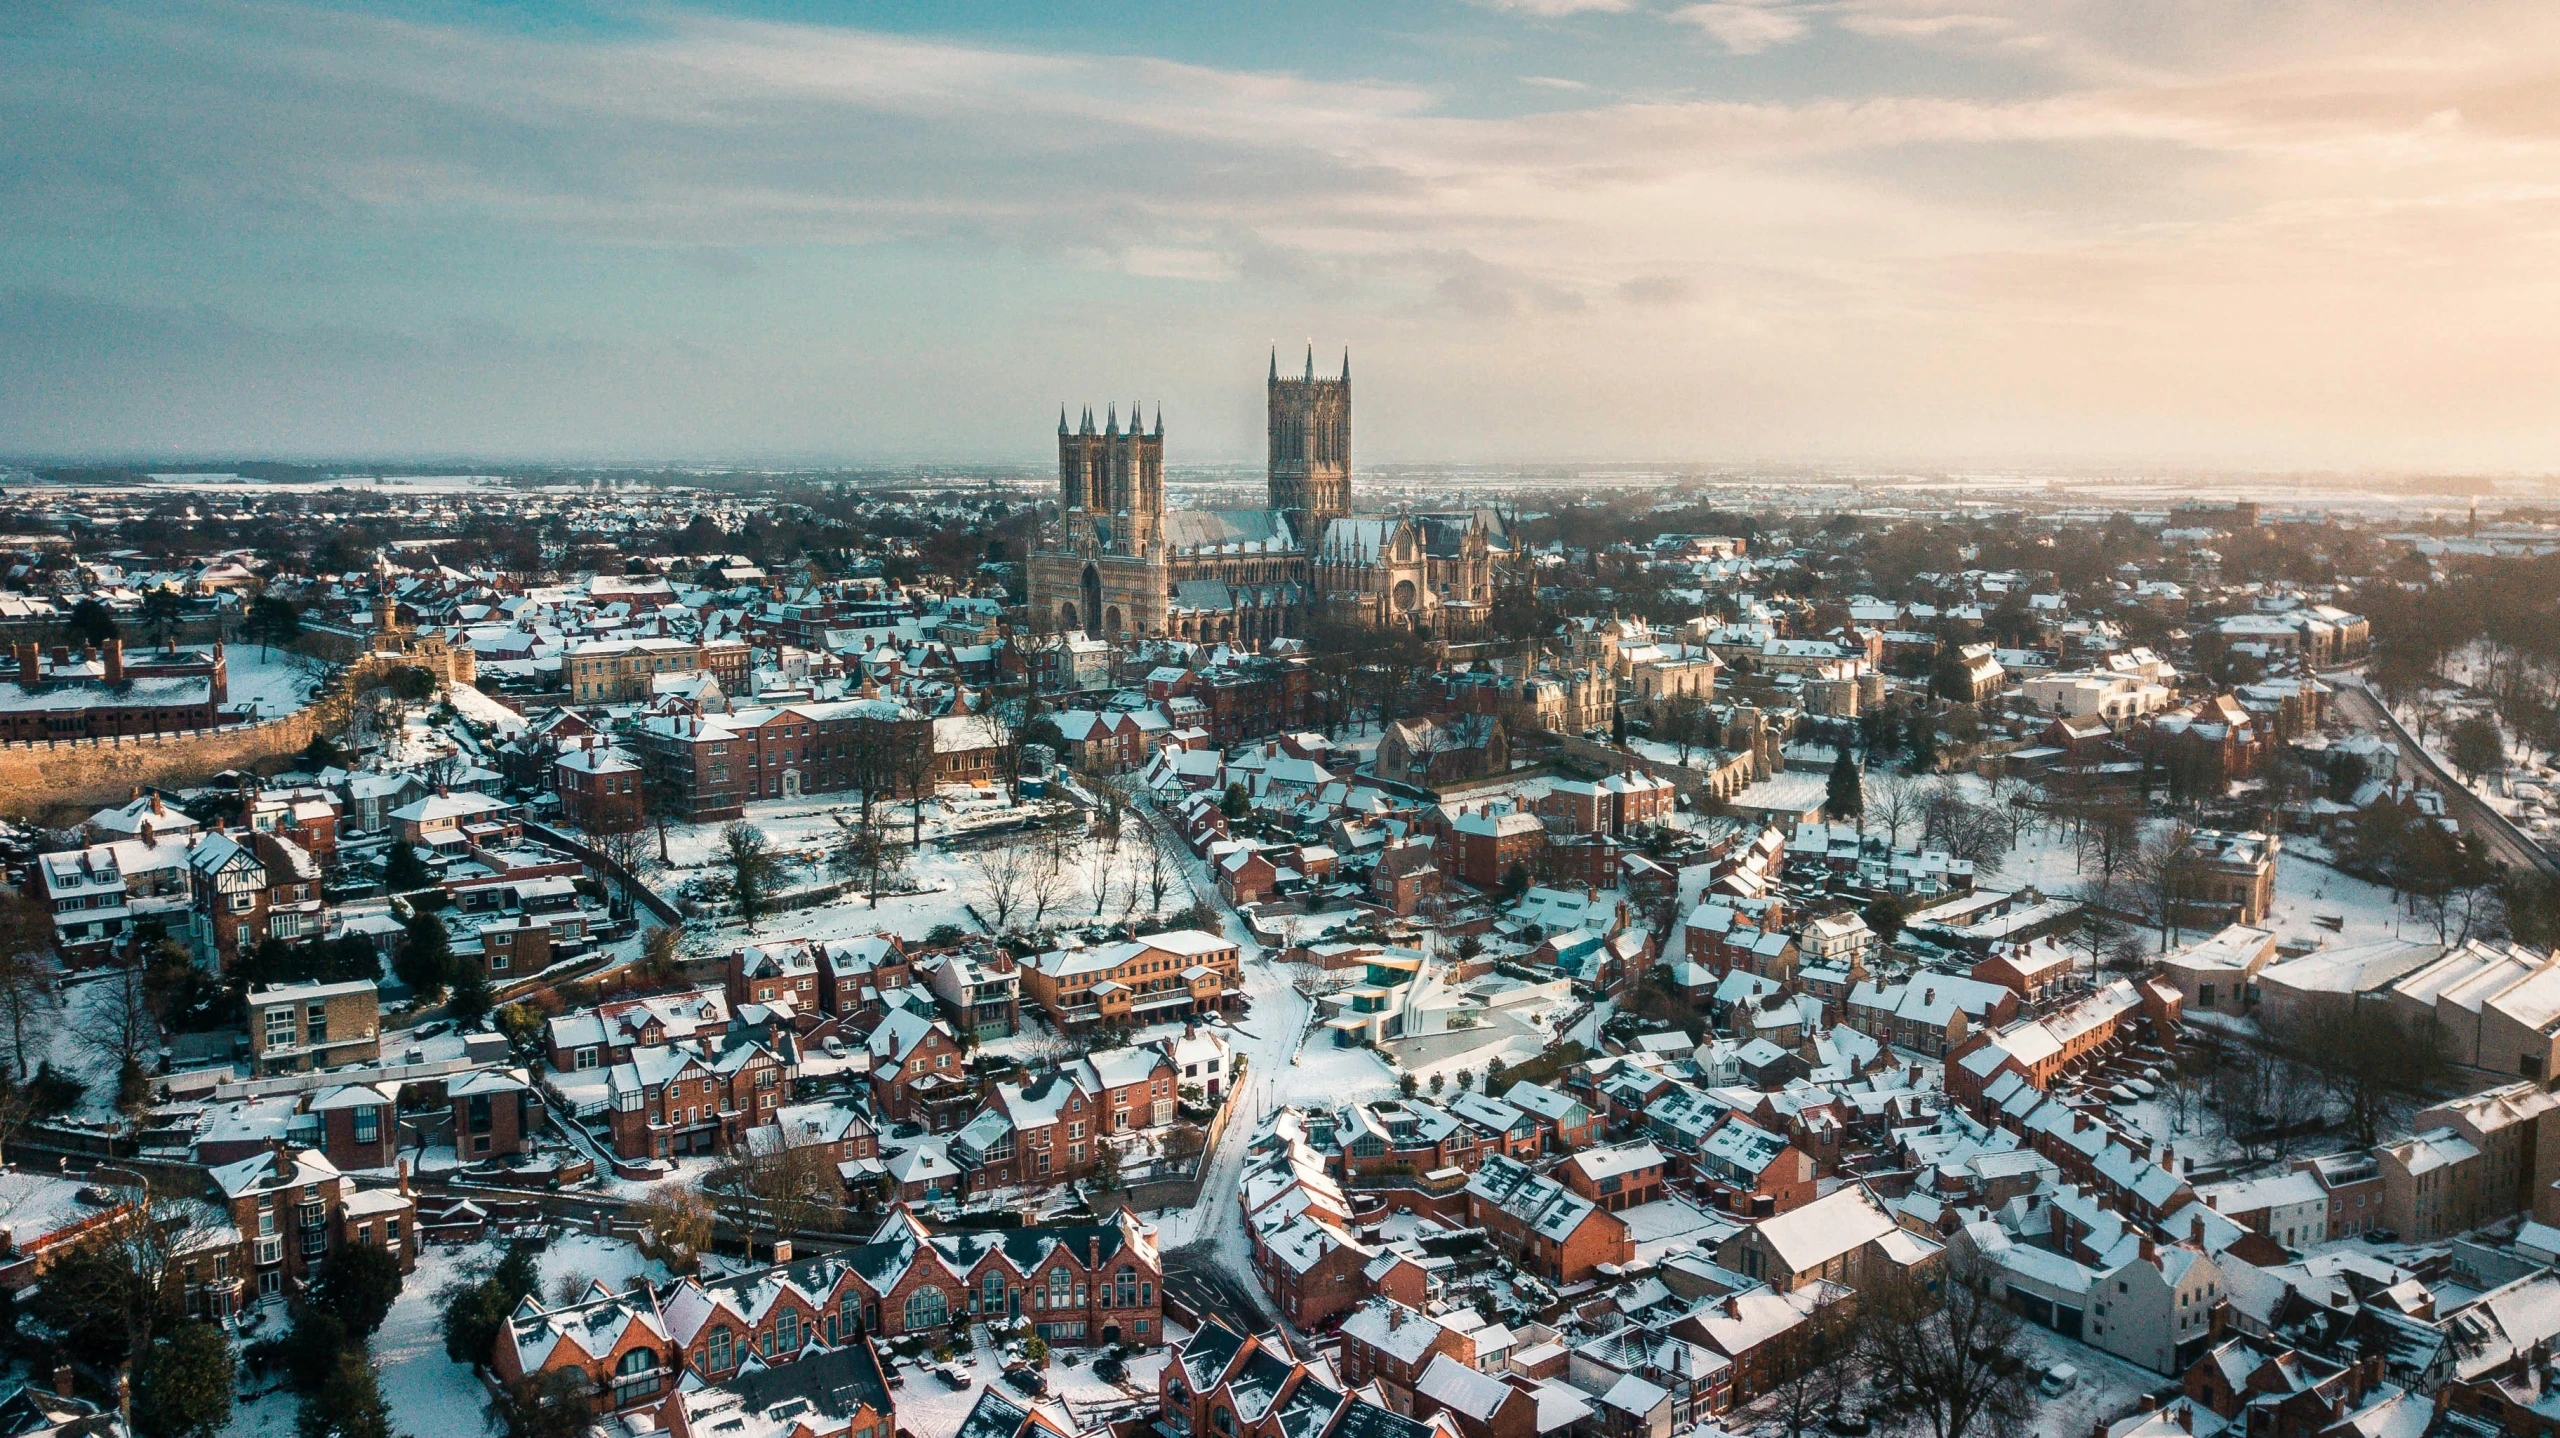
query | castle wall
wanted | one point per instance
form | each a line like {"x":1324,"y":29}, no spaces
{"x":52,"y":784}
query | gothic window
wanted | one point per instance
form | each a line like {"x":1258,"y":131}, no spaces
{"x":926,"y":1308}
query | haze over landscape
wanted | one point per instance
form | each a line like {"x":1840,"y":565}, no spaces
{"x":2286,"y":235}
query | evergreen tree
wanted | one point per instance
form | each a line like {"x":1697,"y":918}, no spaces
{"x":182,"y":1387}
{"x":469,"y":1001}
{"x":358,"y":1287}
{"x":424,"y":960}
{"x":402,"y":872}
{"x":349,"y":1403}
{"x":1845,"y":793}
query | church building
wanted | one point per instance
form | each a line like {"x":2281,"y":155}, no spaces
{"x":1118,"y":565}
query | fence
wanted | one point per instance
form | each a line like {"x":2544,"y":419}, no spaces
{"x":621,"y":877}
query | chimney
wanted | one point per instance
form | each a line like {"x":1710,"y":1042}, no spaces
{"x":62,"y":656}
{"x":124,"y":1393}
{"x":30,"y":666}
{"x":62,"y":1384}
{"x":782,"y":1250}
{"x":2195,"y":1230}
{"x":2149,"y":1253}
{"x":111,"y":655}
{"x":404,"y":1178}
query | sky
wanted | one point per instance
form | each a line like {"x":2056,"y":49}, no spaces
{"x":2274,"y":234}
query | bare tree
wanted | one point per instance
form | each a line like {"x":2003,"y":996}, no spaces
{"x":625,"y":850}
{"x":675,"y":1227}
{"x":1047,"y":879}
{"x":1160,"y":870}
{"x":114,"y":1019}
{"x":1952,"y":1357}
{"x":1811,"y":1364}
{"x":1101,"y":865}
{"x":26,"y":977}
{"x":1004,"y":870}
{"x":136,"y":1269}
{"x":1894,"y":801}
{"x":780,"y":1190}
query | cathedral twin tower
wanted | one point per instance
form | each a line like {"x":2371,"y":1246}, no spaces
{"x":1118,"y":565}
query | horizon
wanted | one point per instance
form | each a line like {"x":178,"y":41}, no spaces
{"x":2297,"y":239}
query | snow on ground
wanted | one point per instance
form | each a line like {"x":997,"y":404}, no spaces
{"x":471,"y":704}
{"x":279,"y":681}
{"x":614,"y":1262}
{"x":427,"y":1392}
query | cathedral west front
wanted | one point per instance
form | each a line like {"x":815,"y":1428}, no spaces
{"x":1118,"y":565}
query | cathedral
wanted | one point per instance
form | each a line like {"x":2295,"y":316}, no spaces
{"x":1118,"y":565}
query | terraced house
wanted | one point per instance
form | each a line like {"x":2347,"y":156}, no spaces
{"x":1098,"y":1284}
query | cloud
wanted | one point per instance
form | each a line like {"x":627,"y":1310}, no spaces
{"x":1553,"y":9}
{"x":1551,"y":82}
{"x":2314,"y":226}
{"x":1744,"y":29}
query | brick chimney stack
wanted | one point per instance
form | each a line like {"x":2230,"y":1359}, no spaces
{"x":111,"y":659}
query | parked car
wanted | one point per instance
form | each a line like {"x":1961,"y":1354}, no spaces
{"x":1110,"y":1369}
{"x":1028,"y":1380}
{"x":2058,"y":1380}
{"x":951,"y":1375}
{"x":2382,"y":1235}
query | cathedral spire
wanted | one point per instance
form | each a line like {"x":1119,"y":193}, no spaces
{"x":1275,"y":363}
{"x":1159,"y":419}
{"x":1062,"y":419}
{"x":1112,"y":425}
{"x":1346,"y":364}
{"x":1311,"y":359}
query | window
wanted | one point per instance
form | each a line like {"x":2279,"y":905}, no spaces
{"x":926,"y":1308}
{"x":368,"y":1124}
{"x":992,"y":1301}
{"x":1061,"y":1285}
{"x":786,"y":1332}
{"x":635,"y":1377}
{"x":1127,"y":1289}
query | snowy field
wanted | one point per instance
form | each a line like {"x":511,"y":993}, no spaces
{"x":278,"y":682}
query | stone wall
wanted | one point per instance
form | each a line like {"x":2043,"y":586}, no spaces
{"x":58,"y":784}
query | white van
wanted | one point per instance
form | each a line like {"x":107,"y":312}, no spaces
{"x":2061,"y":1378}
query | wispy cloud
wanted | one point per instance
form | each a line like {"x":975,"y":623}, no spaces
{"x":1744,"y":29}
{"x":1554,"y":9}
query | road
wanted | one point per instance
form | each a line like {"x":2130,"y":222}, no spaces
{"x":2505,"y":842}
{"x":1209,"y":1241}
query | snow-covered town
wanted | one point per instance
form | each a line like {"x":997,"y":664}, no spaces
{"x":1664,"y":963}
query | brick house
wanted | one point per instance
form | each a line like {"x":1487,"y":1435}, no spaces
{"x":1845,"y":1237}
{"x":292,"y":1210}
{"x":1388,"y":1343}
{"x":1541,"y":1226}
{"x":1481,"y":846}
{"x":359,"y":1126}
{"x":1564,"y":1123}
{"x":495,"y":1114}
{"x":1616,"y":1178}
{"x":700,"y":1097}
{"x":1153,"y":978}
{"x":774,"y":974}
{"x":599,"y":789}
{"x":618,"y":1339}
{"x":606,"y":1034}
{"x":918,"y":1072}
{"x":294,"y":1028}
{"x":1753,"y":1171}
{"x":1049,"y":1129}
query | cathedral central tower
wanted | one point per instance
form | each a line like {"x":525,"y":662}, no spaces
{"x":1310,"y":432}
